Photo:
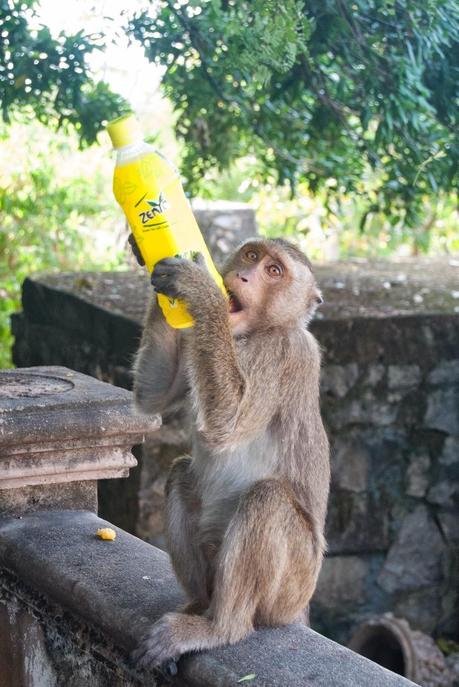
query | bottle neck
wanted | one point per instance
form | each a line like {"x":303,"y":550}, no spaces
{"x":131,"y":151}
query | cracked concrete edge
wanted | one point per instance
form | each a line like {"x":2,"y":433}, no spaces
{"x":121,"y":587}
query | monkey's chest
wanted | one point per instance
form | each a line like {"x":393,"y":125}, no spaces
{"x":223,"y":477}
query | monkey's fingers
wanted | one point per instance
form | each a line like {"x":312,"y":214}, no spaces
{"x":165,"y":283}
{"x":166,"y":275}
{"x":156,"y":649}
{"x":167,"y":264}
{"x":135,"y":249}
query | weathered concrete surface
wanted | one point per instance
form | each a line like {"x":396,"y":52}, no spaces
{"x":118,"y":588}
{"x":44,"y":645}
{"x":59,"y":426}
{"x":59,"y":496}
{"x":85,"y":410}
{"x":390,"y":397}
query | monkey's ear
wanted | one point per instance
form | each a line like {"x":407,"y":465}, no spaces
{"x":319,"y":297}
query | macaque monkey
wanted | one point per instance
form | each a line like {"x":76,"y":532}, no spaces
{"x":245,"y":513}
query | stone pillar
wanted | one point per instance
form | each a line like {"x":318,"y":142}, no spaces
{"x":61,"y":432}
{"x":225,"y":225}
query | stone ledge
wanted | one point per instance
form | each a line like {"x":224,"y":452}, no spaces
{"x":120,"y":587}
{"x":57,"y":425}
{"x":353,"y":289}
{"x":104,"y":312}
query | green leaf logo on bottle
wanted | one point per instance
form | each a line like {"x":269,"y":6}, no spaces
{"x":156,"y":209}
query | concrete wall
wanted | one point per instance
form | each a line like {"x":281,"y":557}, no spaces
{"x":392,"y":415}
{"x":390,"y":399}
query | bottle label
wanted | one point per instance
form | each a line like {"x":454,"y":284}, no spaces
{"x":157,"y":207}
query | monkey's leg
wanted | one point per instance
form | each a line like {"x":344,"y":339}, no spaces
{"x":182,"y":520}
{"x":266,"y":573}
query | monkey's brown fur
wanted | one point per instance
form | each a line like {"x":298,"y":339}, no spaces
{"x":246,"y":513}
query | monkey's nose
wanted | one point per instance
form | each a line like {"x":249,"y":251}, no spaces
{"x":241,"y":277}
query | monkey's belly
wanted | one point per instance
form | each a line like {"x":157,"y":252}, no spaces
{"x":223,"y":477}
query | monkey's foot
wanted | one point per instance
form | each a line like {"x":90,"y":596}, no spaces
{"x":161,"y":644}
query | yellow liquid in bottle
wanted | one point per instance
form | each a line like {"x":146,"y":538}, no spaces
{"x":149,"y":190}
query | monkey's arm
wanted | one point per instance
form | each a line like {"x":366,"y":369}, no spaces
{"x":159,"y":378}
{"x":231,"y":405}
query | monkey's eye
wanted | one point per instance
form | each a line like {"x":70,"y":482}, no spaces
{"x":252,"y":255}
{"x":274,"y":270}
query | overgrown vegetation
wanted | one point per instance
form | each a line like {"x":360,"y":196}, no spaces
{"x":328,"y":227}
{"x":337,"y":121}
{"x":48,"y":78}
{"x":49,"y":220}
{"x":353,"y":98}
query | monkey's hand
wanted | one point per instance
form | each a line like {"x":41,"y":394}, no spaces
{"x":188,"y":281}
{"x":136,"y":250}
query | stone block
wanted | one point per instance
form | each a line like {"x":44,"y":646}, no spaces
{"x":363,"y":411}
{"x":421,"y":608}
{"x":350,"y":464}
{"x":417,"y":475}
{"x":337,"y":380}
{"x":225,"y":225}
{"x":59,"y":426}
{"x":356,"y":523}
{"x":452,"y":662}
{"x":341,"y":582}
{"x":446,"y":372}
{"x":444,"y":494}
{"x":443,"y":410}
{"x":449,"y":526}
{"x":416,"y":557}
{"x":450,"y":453}
{"x":68,"y":496}
{"x":373,"y":375}
{"x":403,"y":376}
{"x":359,"y":521}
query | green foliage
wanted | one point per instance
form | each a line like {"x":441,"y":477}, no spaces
{"x":352,"y":105}
{"x":49,"y":77}
{"x":353,"y":98}
{"x":49,"y":222}
{"x":327,"y":227}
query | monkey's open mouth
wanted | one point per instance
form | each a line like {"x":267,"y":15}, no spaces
{"x":233,"y":303}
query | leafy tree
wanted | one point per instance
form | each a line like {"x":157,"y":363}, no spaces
{"x":353,"y":97}
{"x":50,"y":76}
{"x":51,"y":219}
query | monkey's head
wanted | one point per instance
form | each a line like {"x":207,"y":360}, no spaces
{"x":270,"y":283}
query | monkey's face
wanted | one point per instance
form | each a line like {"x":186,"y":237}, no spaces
{"x":270,"y":284}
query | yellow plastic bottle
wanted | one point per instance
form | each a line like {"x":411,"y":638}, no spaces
{"x":148,"y":188}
